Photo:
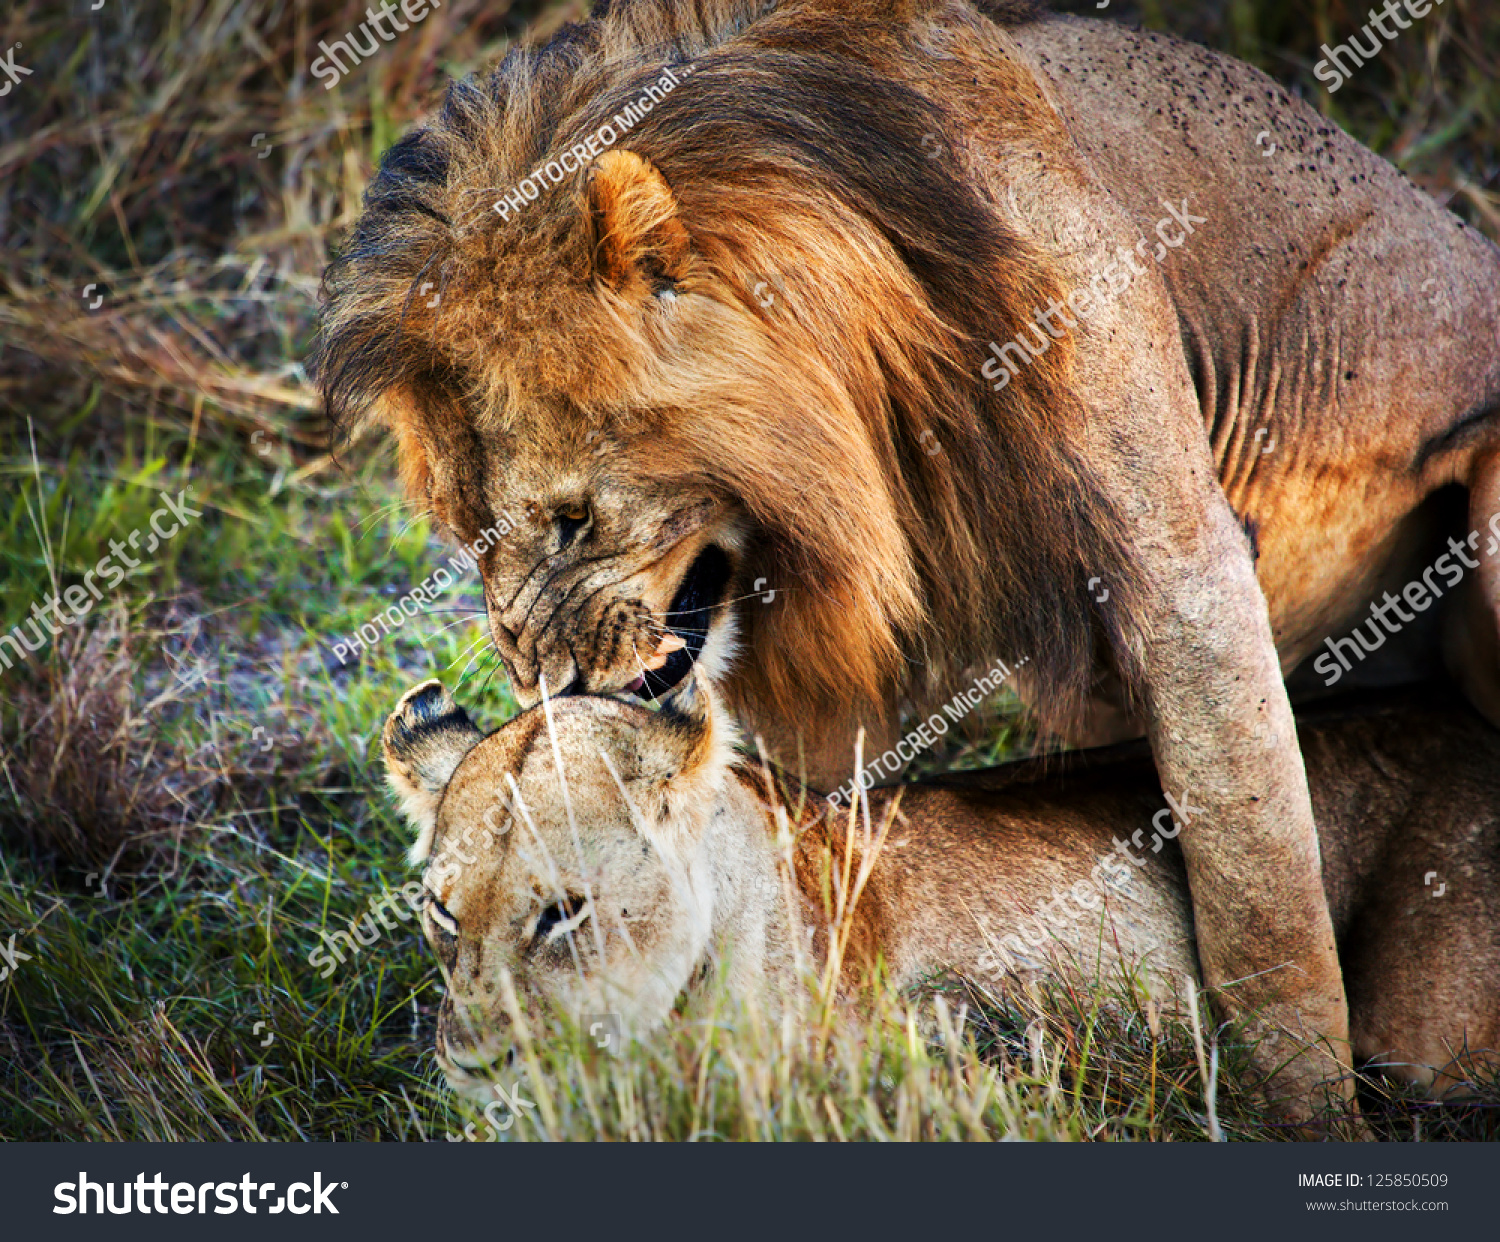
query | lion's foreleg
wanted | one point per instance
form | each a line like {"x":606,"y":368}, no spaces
{"x":1226,"y":751}
{"x":1473,"y":635}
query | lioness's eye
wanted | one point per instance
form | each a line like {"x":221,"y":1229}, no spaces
{"x":561,"y":916}
{"x":441,"y":919}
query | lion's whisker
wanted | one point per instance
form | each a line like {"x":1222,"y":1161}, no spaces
{"x":465,"y":674}
{"x":481,"y":644}
{"x":453,"y":625}
{"x":406,"y":526}
{"x":664,"y":629}
{"x":380,"y":513}
{"x":484,"y":685}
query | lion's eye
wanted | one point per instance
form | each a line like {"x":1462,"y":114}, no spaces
{"x":571,"y":519}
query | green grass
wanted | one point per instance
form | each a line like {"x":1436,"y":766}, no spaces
{"x":168,"y":869}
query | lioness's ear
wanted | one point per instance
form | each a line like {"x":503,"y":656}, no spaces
{"x":424,"y":740}
{"x":687,"y":750}
{"x":689,"y":703}
{"x":640,"y":244}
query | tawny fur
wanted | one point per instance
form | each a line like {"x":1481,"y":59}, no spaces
{"x":894,"y":272}
{"x":915,"y":181}
{"x":1403,"y":787}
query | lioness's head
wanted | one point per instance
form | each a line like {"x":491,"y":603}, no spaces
{"x":585,"y":884}
{"x":714,"y":369}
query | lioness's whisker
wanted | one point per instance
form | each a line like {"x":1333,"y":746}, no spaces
{"x":567,"y":799}
{"x":553,"y":875}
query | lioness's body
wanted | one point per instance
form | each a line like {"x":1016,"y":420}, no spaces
{"x":1408,"y":804}
{"x":1012,"y":872}
{"x":828,"y":494}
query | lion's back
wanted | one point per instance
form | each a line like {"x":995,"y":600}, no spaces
{"x":1320,"y":274}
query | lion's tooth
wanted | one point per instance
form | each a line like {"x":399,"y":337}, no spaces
{"x":669,"y":644}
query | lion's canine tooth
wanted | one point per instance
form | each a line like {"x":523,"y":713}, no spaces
{"x":669,"y":644}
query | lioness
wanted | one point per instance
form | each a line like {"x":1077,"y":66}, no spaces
{"x":838,"y":346}
{"x":615,"y":887}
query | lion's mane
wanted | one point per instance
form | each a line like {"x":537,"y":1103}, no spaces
{"x":924,"y":521}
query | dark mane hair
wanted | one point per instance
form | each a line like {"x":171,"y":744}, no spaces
{"x":790,"y":139}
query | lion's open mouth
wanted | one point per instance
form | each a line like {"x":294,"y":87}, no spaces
{"x":701,"y":591}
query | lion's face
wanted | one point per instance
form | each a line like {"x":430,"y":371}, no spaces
{"x":581,"y":893}
{"x":615,"y":575}
{"x":681,"y":461}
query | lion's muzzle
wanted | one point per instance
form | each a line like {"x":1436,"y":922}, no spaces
{"x":591,"y":632}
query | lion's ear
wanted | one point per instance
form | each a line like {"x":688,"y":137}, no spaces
{"x":640,"y":243}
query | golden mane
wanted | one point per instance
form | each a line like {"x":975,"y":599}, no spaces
{"x":927,"y":521}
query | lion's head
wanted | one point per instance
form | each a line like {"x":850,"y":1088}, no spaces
{"x":567,"y":857}
{"x":723,"y":371}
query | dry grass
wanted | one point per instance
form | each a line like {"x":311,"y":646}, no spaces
{"x":86,"y":783}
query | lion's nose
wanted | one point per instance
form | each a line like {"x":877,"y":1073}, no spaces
{"x":505,"y":638}
{"x":560,"y":684}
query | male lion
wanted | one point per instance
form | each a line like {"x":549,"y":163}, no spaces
{"x":616,"y":887}
{"x":841,"y":345}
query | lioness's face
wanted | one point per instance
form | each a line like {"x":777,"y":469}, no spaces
{"x":613,"y":576}
{"x":578,"y":890}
